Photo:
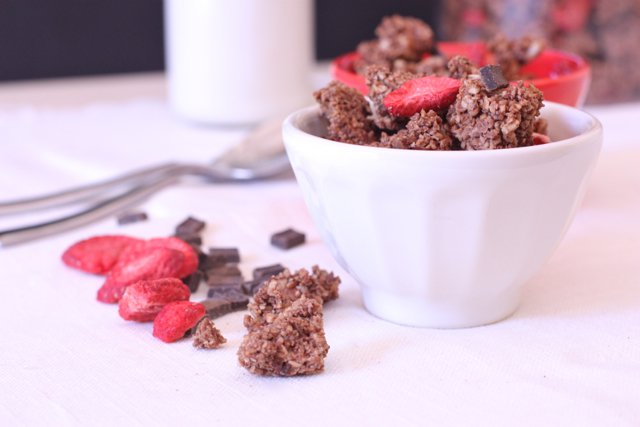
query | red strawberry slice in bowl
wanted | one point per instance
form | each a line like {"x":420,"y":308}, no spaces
{"x":539,"y":139}
{"x":424,"y":93}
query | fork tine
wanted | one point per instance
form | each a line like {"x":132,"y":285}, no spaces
{"x":101,"y":210}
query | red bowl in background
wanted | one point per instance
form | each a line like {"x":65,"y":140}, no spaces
{"x":561,"y":76}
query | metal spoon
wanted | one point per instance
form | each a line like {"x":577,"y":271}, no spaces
{"x":260,"y":155}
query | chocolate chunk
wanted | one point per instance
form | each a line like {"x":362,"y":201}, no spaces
{"x":253,"y":286}
{"x":192,"y":239}
{"x":218,"y":281}
{"x":492,"y":77}
{"x":260,"y":276}
{"x":263,"y":273}
{"x":223,"y":304}
{"x":131,"y":217}
{"x":202,"y":257}
{"x":225,"y":270}
{"x":225,"y":254}
{"x":287,"y":239}
{"x":225,"y":291}
{"x":190,"y":226}
{"x":193,"y":280}
{"x":217,"y":307}
{"x":220,"y":256}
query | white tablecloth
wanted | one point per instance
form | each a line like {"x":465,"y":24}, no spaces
{"x":569,"y":356}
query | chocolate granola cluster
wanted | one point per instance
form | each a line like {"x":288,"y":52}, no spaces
{"x":485,"y":114}
{"x":408,"y":44}
{"x":483,"y":120}
{"x":459,"y":67}
{"x":401,"y":42}
{"x":347,"y":112}
{"x":425,"y":131}
{"x":285,"y":328}
{"x":381,"y":81}
{"x":515,"y":53}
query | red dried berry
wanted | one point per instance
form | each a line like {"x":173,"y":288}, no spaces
{"x":143,"y":263}
{"x":176,"y":318}
{"x":425,"y":93}
{"x":190,"y":256}
{"x":143,"y":300}
{"x":97,"y":254}
{"x":131,"y":252}
{"x":539,"y":139}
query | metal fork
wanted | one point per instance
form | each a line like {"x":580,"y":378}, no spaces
{"x":260,"y":155}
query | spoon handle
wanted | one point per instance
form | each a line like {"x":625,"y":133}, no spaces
{"x":87,"y":192}
{"x":98,"y":211}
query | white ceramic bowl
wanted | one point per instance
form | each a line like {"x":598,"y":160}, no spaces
{"x":443,"y":239}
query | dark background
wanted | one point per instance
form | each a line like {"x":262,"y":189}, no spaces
{"x":58,"y":38}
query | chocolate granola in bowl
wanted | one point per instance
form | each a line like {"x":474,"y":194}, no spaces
{"x":407,"y":45}
{"x":477,"y":110}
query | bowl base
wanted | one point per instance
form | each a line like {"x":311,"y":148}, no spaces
{"x":411,"y":311}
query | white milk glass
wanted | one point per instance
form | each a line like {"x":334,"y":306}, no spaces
{"x":238,"y":61}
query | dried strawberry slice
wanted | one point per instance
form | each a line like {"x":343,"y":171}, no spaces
{"x":539,"y":138}
{"x":425,"y":93}
{"x":142,"y":262}
{"x":176,"y":318}
{"x":97,"y":254}
{"x":190,"y":256}
{"x":143,"y":300}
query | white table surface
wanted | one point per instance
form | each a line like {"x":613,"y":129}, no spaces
{"x":569,"y":356}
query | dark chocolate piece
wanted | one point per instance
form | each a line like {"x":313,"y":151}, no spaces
{"x":193,"y":280}
{"x":287,"y":239}
{"x":131,"y":217}
{"x":192,"y":239}
{"x":253,"y":286}
{"x":225,"y":254}
{"x":223,"y":304}
{"x":221,"y":281}
{"x":202,"y":258}
{"x":492,"y":77}
{"x":220,"y":256}
{"x":260,"y":276}
{"x":225,"y":270}
{"x":225,"y":291}
{"x":263,"y":273}
{"x":190,"y":226}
